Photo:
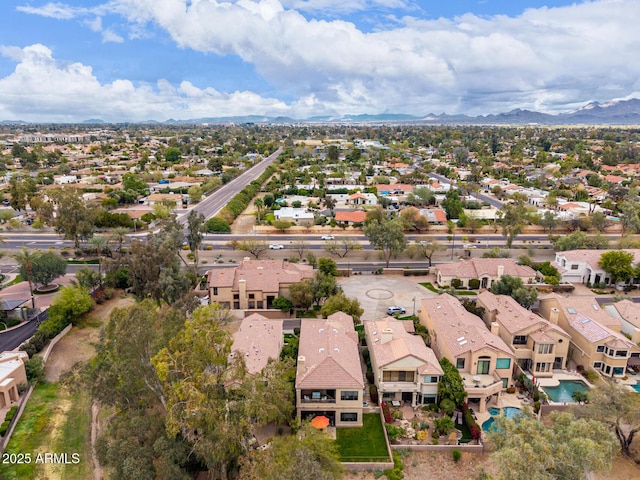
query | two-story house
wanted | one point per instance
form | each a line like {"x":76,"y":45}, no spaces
{"x":487,"y":270}
{"x":582,"y":266}
{"x":483,"y":359}
{"x":593,"y":344}
{"x":404,"y":368}
{"x":538,"y":345}
{"x":329,"y":377}
{"x":254,"y":284}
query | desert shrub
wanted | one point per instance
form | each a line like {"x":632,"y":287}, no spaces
{"x":456,"y":454}
{"x":4,"y":427}
{"x":397,"y":415}
{"x":456,"y":283}
{"x":474,"y":284}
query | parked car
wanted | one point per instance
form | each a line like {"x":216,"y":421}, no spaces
{"x":327,"y":237}
{"x":276,"y":246}
{"x":393,"y":309}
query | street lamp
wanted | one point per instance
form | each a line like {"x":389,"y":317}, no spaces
{"x":414,"y":306}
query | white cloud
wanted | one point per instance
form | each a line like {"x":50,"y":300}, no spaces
{"x":550,"y":59}
{"x":41,"y":89}
{"x":109,"y":35}
{"x":59,"y":11}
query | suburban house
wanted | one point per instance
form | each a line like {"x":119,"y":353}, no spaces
{"x":434,"y":215}
{"x":404,"y":368}
{"x":299,"y":216}
{"x":12,"y":374}
{"x":254,"y":284}
{"x":350,"y":217}
{"x":329,"y":378}
{"x":593,"y":345}
{"x":486,"y":270}
{"x":629,"y":315}
{"x":538,"y":345}
{"x":361,"y":199}
{"x":257,"y":340}
{"x":483,"y":359}
{"x":581,"y":266}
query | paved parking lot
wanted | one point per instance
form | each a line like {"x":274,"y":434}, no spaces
{"x":377,"y":292}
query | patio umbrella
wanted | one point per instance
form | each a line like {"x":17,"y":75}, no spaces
{"x":320,"y":422}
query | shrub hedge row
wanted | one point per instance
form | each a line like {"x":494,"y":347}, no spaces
{"x":242,"y":199}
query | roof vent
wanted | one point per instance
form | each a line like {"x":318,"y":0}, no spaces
{"x":459,"y":339}
{"x":586,"y":320}
{"x":595,"y":306}
{"x":571,"y":310}
{"x":321,"y":350}
{"x":463,"y":342}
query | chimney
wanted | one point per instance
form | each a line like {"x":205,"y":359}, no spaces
{"x":553,"y":315}
{"x":495,"y":327}
{"x":301,"y":366}
{"x":500,"y":271}
{"x":242,"y":292}
{"x":387,"y":335}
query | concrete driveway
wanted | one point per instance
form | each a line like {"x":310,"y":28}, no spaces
{"x":377,"y":292}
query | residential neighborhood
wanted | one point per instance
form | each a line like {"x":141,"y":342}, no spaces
{"x":408,"y":286}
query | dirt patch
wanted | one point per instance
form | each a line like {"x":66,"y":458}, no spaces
{"x":56,"y":421}
{"x":79,"y":344}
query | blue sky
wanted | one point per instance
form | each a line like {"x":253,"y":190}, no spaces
{"x":135,"y":60}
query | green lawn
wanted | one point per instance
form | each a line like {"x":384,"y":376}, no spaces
{"x":44,"y":429}
{"x":364,"y":444}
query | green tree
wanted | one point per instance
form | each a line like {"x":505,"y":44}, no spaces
{"x":196,"y":228}
{"x":282,"y":303}
{"x":451,"y":386}
{"x":630,"y":215}
{"x":134,"y":182}
{"x":254,"y":246}
{"x":25,"y":264}
{"x":341,"y":303}
{"x":452,"y":204}
{"x":333,"y":153}
{"x":548,"y":221}
{"x":172,"y":155}
{"x":195,"y":193}
{"x":513,"y":218}
{"x":302,"y":295}
{"x":618,"y":408}
{"x":340,"y":247}
{"x":21,"y":191}
{"x":599,"y":221}
{"x":427,"y":250}
{"x":579,"y":240}
{"x":74,"y":219}
{"x":259,"y":204}
{"x":87,"y":278}
{"x":199,"y":384}
{"x":310,"y":455}
{"x":67,"y":307}
{"x":328,"y":266}
{"x":46,"y":267}
{"x":618,"y":264}
{"x":569,"y":448}
{"x":386,"y":235}
{"x":513,"y":286}
{"x":218,"y":225}
{"x":281,"y":225}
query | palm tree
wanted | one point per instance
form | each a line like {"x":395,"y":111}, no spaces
{"x":25,"y":260}
{"x":119,"y":234}
{"x":259,"y":204}
{"x":100,"y":243}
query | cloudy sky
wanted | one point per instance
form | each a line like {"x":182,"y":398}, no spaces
{"x":135,"y":60}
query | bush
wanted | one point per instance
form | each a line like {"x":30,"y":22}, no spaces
{"x":386,"y":411}
{"x":35,"y":369}
{"x":397,"y":415}
{"x":511,"y":390}
{"x":456,"y":283}
{"x":11,"y":413}
{"x":373,"y":391}
{"x":474,"y":284}
{"x":4,"y":427}
{"x":456,"y":454}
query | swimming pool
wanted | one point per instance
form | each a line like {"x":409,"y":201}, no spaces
{"x":509,"y":412}
{"x":636,"y":387}
{"x":562,"y":393}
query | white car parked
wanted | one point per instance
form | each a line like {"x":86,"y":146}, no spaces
{"x":276,"y":246}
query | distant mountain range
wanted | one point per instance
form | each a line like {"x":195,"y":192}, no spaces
{"x":621,"y":112}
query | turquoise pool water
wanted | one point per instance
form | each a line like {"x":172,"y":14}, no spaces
{"x":636,"y":387}
{"x":509,"y":412}
{"x":562,"y":393}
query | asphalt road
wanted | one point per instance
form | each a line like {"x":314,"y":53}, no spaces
{"x":479,"y":196}
{"x":11,"y":339}
{"x":212,"y":204}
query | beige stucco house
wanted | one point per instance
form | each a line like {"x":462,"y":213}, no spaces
{"x":538,"y":345}
{"x":628,"y":313}
{"x":487,"y":270}
{"x":12,"y":374}
{"x":404,"y":368}
{"x":593,"y":344}
{"x":329,"y":376}
{"x":254,"y":284}
{"x":483,"y":359}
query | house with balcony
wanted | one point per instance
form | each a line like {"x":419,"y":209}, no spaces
{"x":329,"y":376}
{"x":593,"y":344}
{"x":404,"y":368}
{"x":581,"y":266}
{"x":254,"y":284}
{"x":538,"y":345}
{"x":486,"y":270}
{"x":483,"y":359}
